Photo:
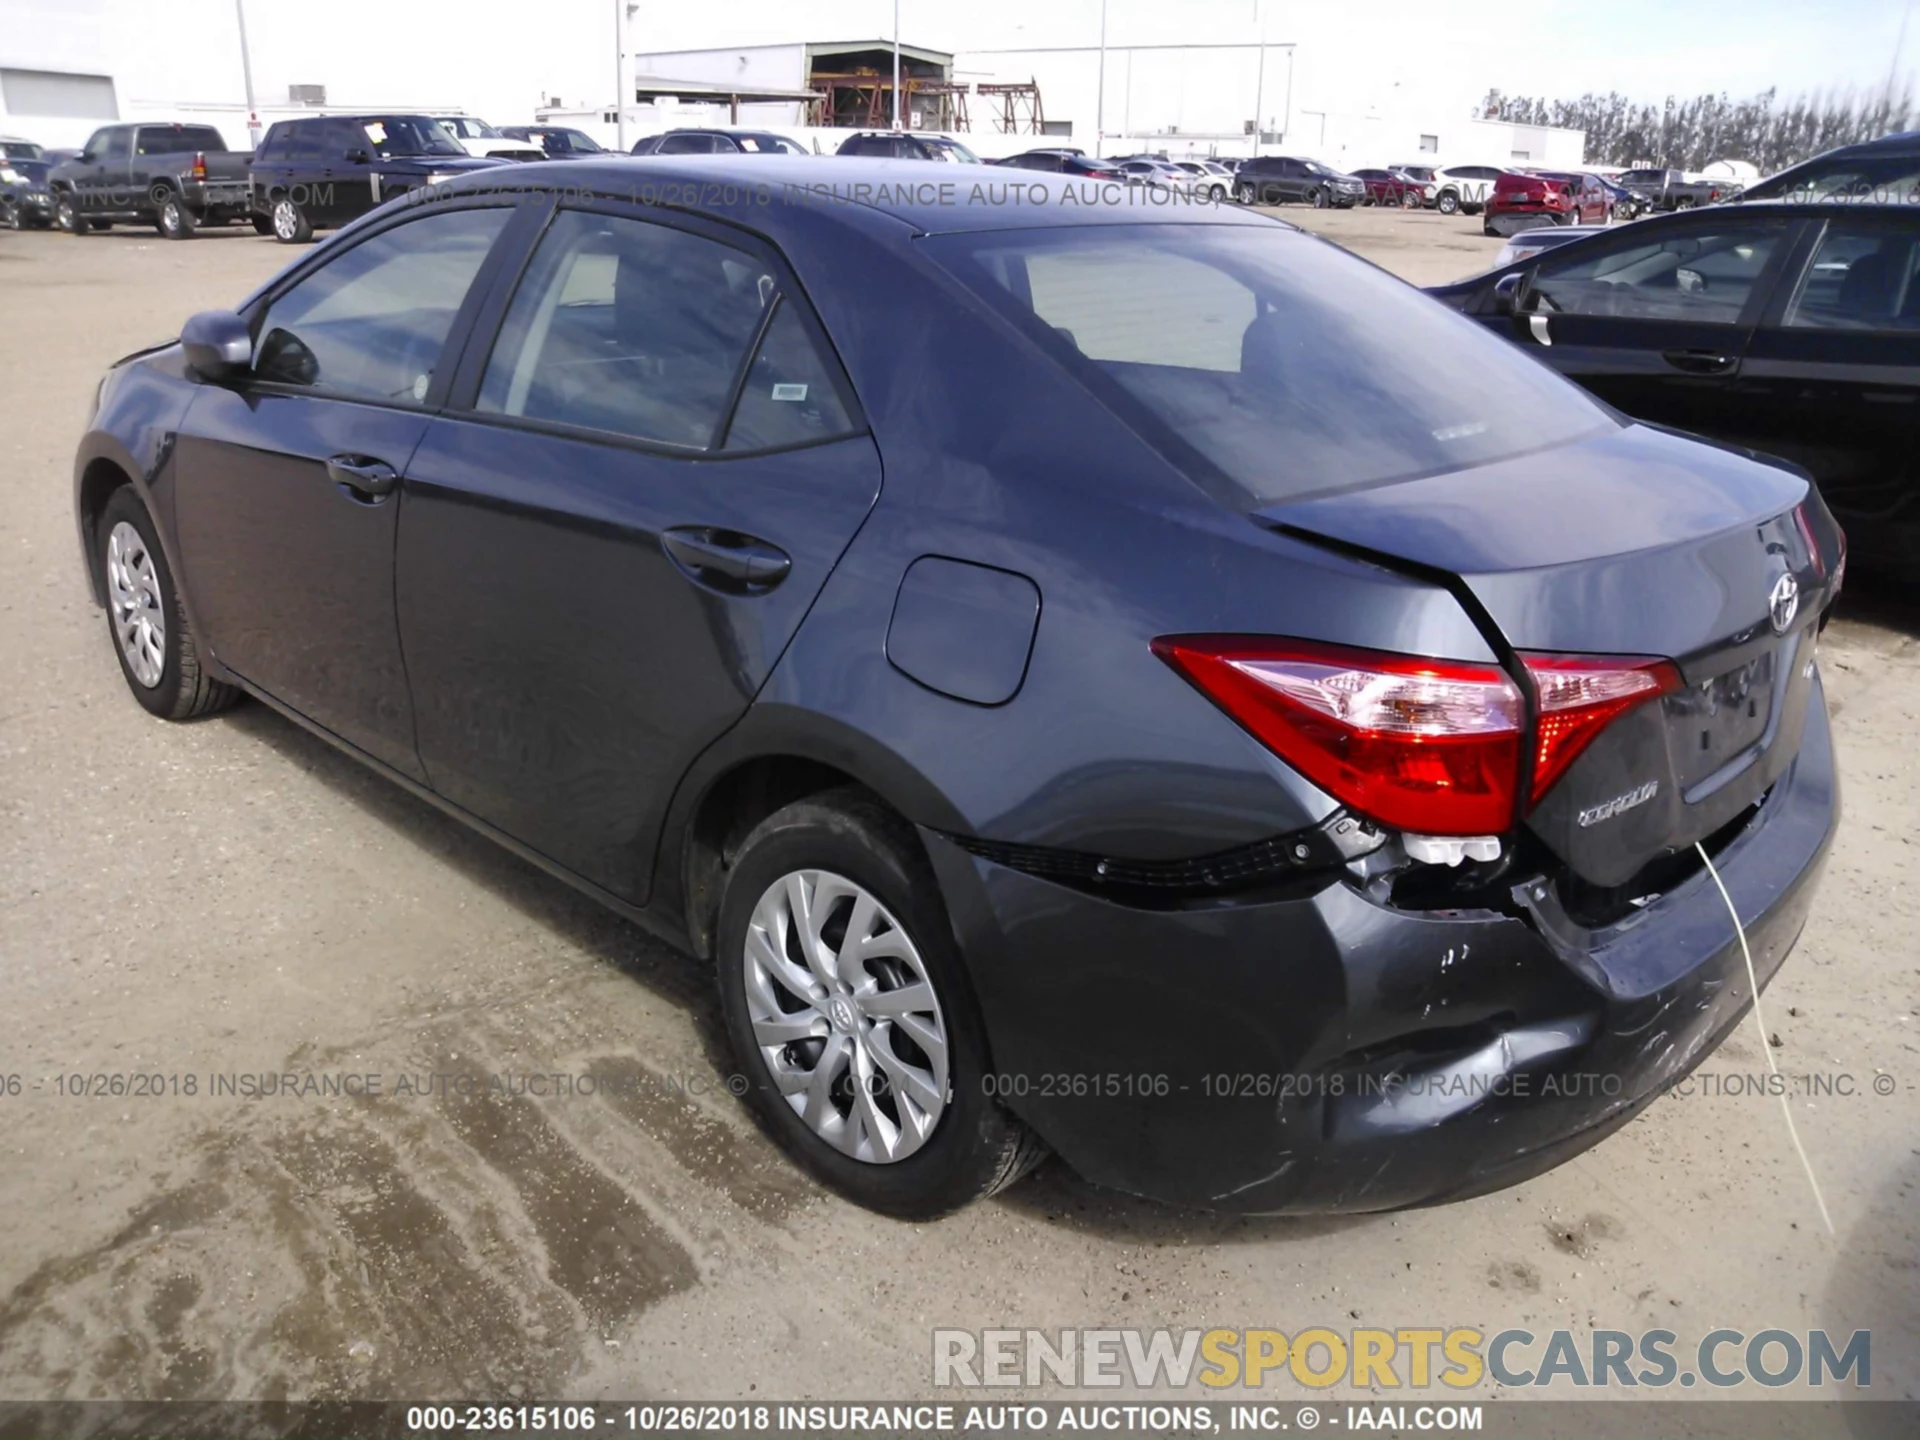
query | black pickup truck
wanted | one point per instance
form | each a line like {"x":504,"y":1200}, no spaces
{"x":1671,"y":190}
{"x":320,"y":172}
{"x":173,"y":177}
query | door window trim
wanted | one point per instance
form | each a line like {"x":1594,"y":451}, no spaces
{"x":490,"y":319}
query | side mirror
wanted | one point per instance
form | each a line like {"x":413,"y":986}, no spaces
{"x":358,"y":157}
{"x":217,"y":344}
{"x":1506,"y":292}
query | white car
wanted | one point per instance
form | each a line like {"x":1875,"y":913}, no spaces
{"x":1213,"y":181}
{"x":1454,"y":189}
{"x":477,"y":137}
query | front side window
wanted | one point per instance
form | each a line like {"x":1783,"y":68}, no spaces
{"x":1706,"y":274}
{"x":116,"y":144}
{"x":1862,"y":278}
{"x":370,"y":324}
{"x":409,"y":135}
{"x":1288,"y":365}
{"x":628,"y":327}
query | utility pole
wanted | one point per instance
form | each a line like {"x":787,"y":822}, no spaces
{"x":1100,"y":93}
{"x":246,"y":76}
{"x":896,"y":64}
{"x":1259,"y":75}
{"x":620,"y":74}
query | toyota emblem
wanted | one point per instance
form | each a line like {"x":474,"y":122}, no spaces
{"x":1783,"y":603}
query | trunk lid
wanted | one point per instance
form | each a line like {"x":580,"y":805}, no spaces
{"x":1637,"y":542}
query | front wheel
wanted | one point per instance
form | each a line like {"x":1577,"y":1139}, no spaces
{"x":851,"y":1017}
{"x":67,"y":216}
{"x":146,"y":620}
{"x":290,"y":224}
{"x":1321,"y":199}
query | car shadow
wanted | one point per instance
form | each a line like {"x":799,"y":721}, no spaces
{"x":609,"y":938}
{"x":1054,"y":1194}
{"x":1870,"y":600}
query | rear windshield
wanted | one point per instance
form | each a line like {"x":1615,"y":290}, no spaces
{"x":1276,"y":359}
{"x":177,"y":139}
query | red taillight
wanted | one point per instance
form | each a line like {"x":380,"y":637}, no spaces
{"x":199,"y":170}
{"x":1429,"y":746}
{"x":1580,"y":695}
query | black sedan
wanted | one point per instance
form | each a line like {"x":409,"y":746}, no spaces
{"x":1792,"y":329}
{"x":1164,"y":691}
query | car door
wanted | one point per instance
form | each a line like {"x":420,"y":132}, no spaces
{"x":1655,"y":320}
{"x":615,"y":528}
{"x":1831,"y":377}
{"x":286,"y":497}
{"x":107,"y":190}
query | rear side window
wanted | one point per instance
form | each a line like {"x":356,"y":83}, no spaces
{"x":1705,"y":274}
{"x":1274,"y":358}
{"x":628,"y":327}
{"x":788,"y":397}
{"x":1863,"y":277}
{"x":370,"y":323}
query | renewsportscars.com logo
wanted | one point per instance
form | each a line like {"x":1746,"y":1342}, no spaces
{"x":1416,"y":1357}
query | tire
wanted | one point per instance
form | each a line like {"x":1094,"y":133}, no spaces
{"x":1448,"y":203}
{"x":1320,"y":199}
{"x":262,"y":224}
{"x":1243,"y":194}
{"x":289,"y":223}
{"x":10,"y":219}
{"x":848,"y":846}
{"x":172,"y":218}
{"x":67,"y":217}
{"x":1217,"y":194}
{"x":163,"y":671}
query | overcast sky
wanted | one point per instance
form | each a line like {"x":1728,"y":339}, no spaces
{"x":497,"y":57}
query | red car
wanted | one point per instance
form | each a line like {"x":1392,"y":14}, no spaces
{"x":1519,"y":199}
{"x":1390,"y":187}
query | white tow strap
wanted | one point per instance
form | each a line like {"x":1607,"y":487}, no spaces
{"x":1766,"y":1046}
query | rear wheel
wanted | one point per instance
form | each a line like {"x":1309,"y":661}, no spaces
{"x":1448,"y":203}
{"x":851,"y":1017}
{"x":290,"y":224}
{"x":146,"y":620}
{"x":172,"y":219}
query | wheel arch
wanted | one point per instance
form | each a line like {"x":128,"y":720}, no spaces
{"x":97,"y":480}
{"x":775,"y":756}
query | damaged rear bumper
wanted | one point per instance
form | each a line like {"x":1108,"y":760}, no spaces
{"x":1332,"y":1053}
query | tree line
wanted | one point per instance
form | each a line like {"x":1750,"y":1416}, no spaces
{"x":1688,"y":134}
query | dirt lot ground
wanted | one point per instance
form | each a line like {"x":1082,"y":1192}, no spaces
{"x":232,"y":898}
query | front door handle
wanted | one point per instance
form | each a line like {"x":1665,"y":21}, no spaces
{"x":726,"y":559}
{"x":363,"y":478}
{"x":1699,"y":362}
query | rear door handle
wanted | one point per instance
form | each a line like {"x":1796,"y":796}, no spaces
{"x":726,"y":559}
{"x":363,"y":478}
{"x":1699,"y":362}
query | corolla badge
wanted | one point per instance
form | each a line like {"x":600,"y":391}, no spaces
{"x":1607,"y":809}
{"x":1783,"y":603}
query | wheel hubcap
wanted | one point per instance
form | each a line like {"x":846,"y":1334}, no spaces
{"x":285,"y":222}
{"x":133,"y":592}
{"x":844,"y":1016}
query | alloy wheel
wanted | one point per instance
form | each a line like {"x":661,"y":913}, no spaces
{"x":139,"y":616}
{"x":845,"y":1017}
{"x":286,"y":220}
